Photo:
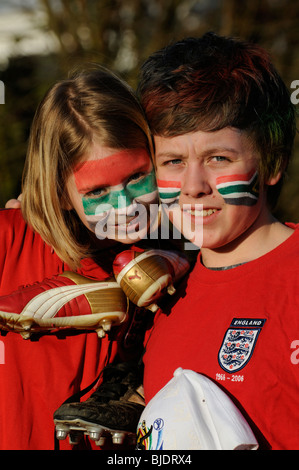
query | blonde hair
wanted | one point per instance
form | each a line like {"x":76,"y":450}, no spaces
{"x":93,"y":104}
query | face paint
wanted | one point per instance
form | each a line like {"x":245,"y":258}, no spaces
{"x":111,"y":170}
{"x":122,"y":195}
{"x":114,"y":189}
{"x":240,"y":190}
{"x":169,"y":191}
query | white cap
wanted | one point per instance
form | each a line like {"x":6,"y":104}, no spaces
{"x":192,"y":413}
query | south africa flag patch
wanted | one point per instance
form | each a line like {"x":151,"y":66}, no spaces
{"x":239,"y":189}
{"x":239,"y":343}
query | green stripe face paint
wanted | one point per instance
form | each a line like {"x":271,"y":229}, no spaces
{"x":240,"y":190}
{"x":169,"y":191}
{"x":122,"y":195}
{"x":115,"y":190}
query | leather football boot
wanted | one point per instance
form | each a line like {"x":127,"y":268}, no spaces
{"x":113,"y":410}
{"x":147,"y":276}
{"x":65,"y":301}
{"x":111,"y":413}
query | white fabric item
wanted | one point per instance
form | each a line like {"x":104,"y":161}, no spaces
{"x":192,"y":412}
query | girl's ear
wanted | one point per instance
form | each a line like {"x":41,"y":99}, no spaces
{"x":66,"y":203}
{"x":65,"y":200}
{"x":66,"y":206}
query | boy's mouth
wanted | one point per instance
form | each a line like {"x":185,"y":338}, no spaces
{"x":201,"y":213}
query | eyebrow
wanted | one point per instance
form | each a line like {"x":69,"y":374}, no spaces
{"x":207,"y":152}
{"x":222,"y":149}
{"x":170,"y":156}
{"x":143,"y":167}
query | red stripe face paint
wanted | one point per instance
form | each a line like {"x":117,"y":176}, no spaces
{"x":232,"y":178}
{"x":241,"y":190}
{"x":111,"y":170}
{"x":114,"y":190}
{"x":169,"y":191}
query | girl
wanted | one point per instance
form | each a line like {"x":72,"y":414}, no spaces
{"x":89,"y":145}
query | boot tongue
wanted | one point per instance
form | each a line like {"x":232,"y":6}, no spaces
{"x":135,"y":396}
{"x":118,"y":380}
{"x":107,"y":392}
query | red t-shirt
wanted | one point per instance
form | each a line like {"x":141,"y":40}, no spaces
{"x":37,"y":376}
{"x":240,"y":328}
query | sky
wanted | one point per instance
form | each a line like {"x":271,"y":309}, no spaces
{"x":22,"y":32}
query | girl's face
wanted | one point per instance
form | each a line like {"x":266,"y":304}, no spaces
{"x":112,"y":190}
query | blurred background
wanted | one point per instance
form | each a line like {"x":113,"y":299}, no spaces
{"x":42,"y":40}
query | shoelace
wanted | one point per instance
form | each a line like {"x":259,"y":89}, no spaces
{"x":117,"y":379}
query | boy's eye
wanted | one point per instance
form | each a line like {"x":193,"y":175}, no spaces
{"x":219,"y":158}
{"x":174,"y":161}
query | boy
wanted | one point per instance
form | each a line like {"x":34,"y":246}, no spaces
{"x":223,"y":127}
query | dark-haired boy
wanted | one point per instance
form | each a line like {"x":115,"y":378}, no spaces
{"x":224,"y":125}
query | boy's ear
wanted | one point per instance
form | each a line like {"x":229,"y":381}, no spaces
{"x":272,"y":180}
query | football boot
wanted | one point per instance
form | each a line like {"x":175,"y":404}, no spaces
{"x":65,"y":301}
{"x":147,"y":276}
{"x":111,"y":413}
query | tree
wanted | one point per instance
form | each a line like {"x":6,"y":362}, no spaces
{"x":120,"y":35}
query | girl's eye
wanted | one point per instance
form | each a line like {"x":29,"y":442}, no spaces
{"x":97,"y":192}
{"x":136,"y":177}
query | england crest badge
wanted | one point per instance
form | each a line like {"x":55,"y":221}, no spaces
{"x":239,"y":342}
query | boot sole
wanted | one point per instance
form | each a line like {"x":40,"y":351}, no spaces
{"x":76,"y":428}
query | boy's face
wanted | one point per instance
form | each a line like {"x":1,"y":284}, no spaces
{"x":217,"y":171}
{"x":111,"y":190}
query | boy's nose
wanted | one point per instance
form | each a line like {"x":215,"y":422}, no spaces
{"x":195,"y":183}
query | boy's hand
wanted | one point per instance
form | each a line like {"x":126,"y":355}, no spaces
{"x":14,"y":203}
